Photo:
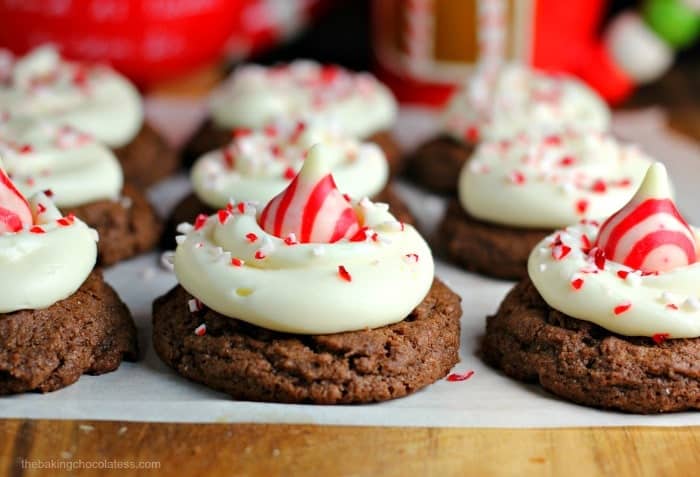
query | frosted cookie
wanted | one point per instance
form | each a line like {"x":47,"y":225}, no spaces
{"x":90,"y":98}
{"x":258,"y":164}
{"x":83,"y":177}
{"x":610,"y":314}
{"x":513,"y":193}
{"x":499,"y":106}
{"x":254,"y":96}
{"x":58,"y":318}
{"x":314,"y":298}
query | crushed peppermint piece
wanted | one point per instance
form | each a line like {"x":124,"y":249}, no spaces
{"x":200,"y":221}
{"x":251,"y":237}
{"x":184,"y":228}
{"x":194,"y":305}
{"x":455,"y":377}
{"x":622,"y":308}
{"x":668,"y":297}
{"x":344,"y":274}
{"x":634,"y":279}
{"x":559,"y":252}
{"x":223,"y":215}
{"x":260,"y":254}
{"x":201,"y":330}
{"x":237,"y":262}
{"x":623,"y":274}
{"x":411,"y":257}
{"x":659,"y":338}
{"x":290,"y":173}
{"x":37,"y":230}
{"x":577,"y":283}
{"x":291,"y":239}
{"x":517,"y":178}
{"x":318,"y":251}
{"x":599,"y":186}
{"x":672,"y":307}
{"x":543,"y":267}
{"x":582,"y":206}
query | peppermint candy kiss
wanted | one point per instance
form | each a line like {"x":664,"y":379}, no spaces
{"x":649,"y":234}
{"x":311,"y":207}
{"x":15,"y":213}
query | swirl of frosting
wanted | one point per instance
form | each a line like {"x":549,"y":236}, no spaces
{"x":47,"y":258}
{"x":552,"y":181}
{"x":93,"y":99}
{"x":650,"y":286}
{"x":44,"y":155}
{"x":254,"y":95}
{"x":375,"y":277}
{"x":515,"y":99}
{"x":258,"y":164}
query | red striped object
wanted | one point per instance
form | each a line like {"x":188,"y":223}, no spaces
{"x":311,"y":207}
{"x":14,"y":208}
{"x":649,"y":233}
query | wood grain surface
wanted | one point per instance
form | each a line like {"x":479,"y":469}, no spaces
{"x":283,"y":450}
{"x":271,"y":450}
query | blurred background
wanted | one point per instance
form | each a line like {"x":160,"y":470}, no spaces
{"x":421,"y":48}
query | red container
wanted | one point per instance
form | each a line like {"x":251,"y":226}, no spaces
{"x":148,"y":40}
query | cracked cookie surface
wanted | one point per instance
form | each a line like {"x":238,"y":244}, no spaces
{"x":587,"y":364}
{"x":252,"y":363}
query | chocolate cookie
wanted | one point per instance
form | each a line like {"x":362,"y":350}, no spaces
{"x":209,"y":137}
{"x":147,"y":159}
{"x":252,"y":363}
{"x":191,"y":206}
{"x":127,"y":227}
{"x":587,"y":364}
{"x":436,"y":164}
{"x":490,"y":249}
{"x":89,"y":332}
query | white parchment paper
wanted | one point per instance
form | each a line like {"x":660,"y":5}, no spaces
{"x":149,"y":391}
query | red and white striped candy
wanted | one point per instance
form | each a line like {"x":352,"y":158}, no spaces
{"x":649,"y":233}
{"x":14,"y":208}
{"x":311,"y":207}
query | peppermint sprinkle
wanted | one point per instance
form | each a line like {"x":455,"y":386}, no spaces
{"x":237,"y":262}
{"x":411,"y":257}
{"x":318,"y":251}
{"x":577,"y":283}
{"x":251,"y":237}
{"x":201,"y":330}
{"x":560,"y":252}
{"x":517,"y":178}
{"x":667,"y":297}
{"x":659,"y":338}
{"x":194,"y":305}
{"x":344,"y":274}
{"x":455,"y":377}
{"x":223,"y":216}
{"x":634,"y":279}
{"x":582,"y":206}
{"x":184,"y":228}
{"x":291,"y":239}
{"x":37,"y":230}
{"x":260,"y":255}
{"x":622,"y":308}
{"x":200,"y":221}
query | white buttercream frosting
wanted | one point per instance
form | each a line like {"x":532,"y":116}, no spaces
{"x":515,"y":99}
{"x":43,"y":156}
{"x":258,"y":164}
{"x":300,"y":288}
{"x":611,"y":295}
{"x":552,"y":181}
{"x":46,"y":263}
{"x":94,"y":99}
{"x":255,"y":95}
